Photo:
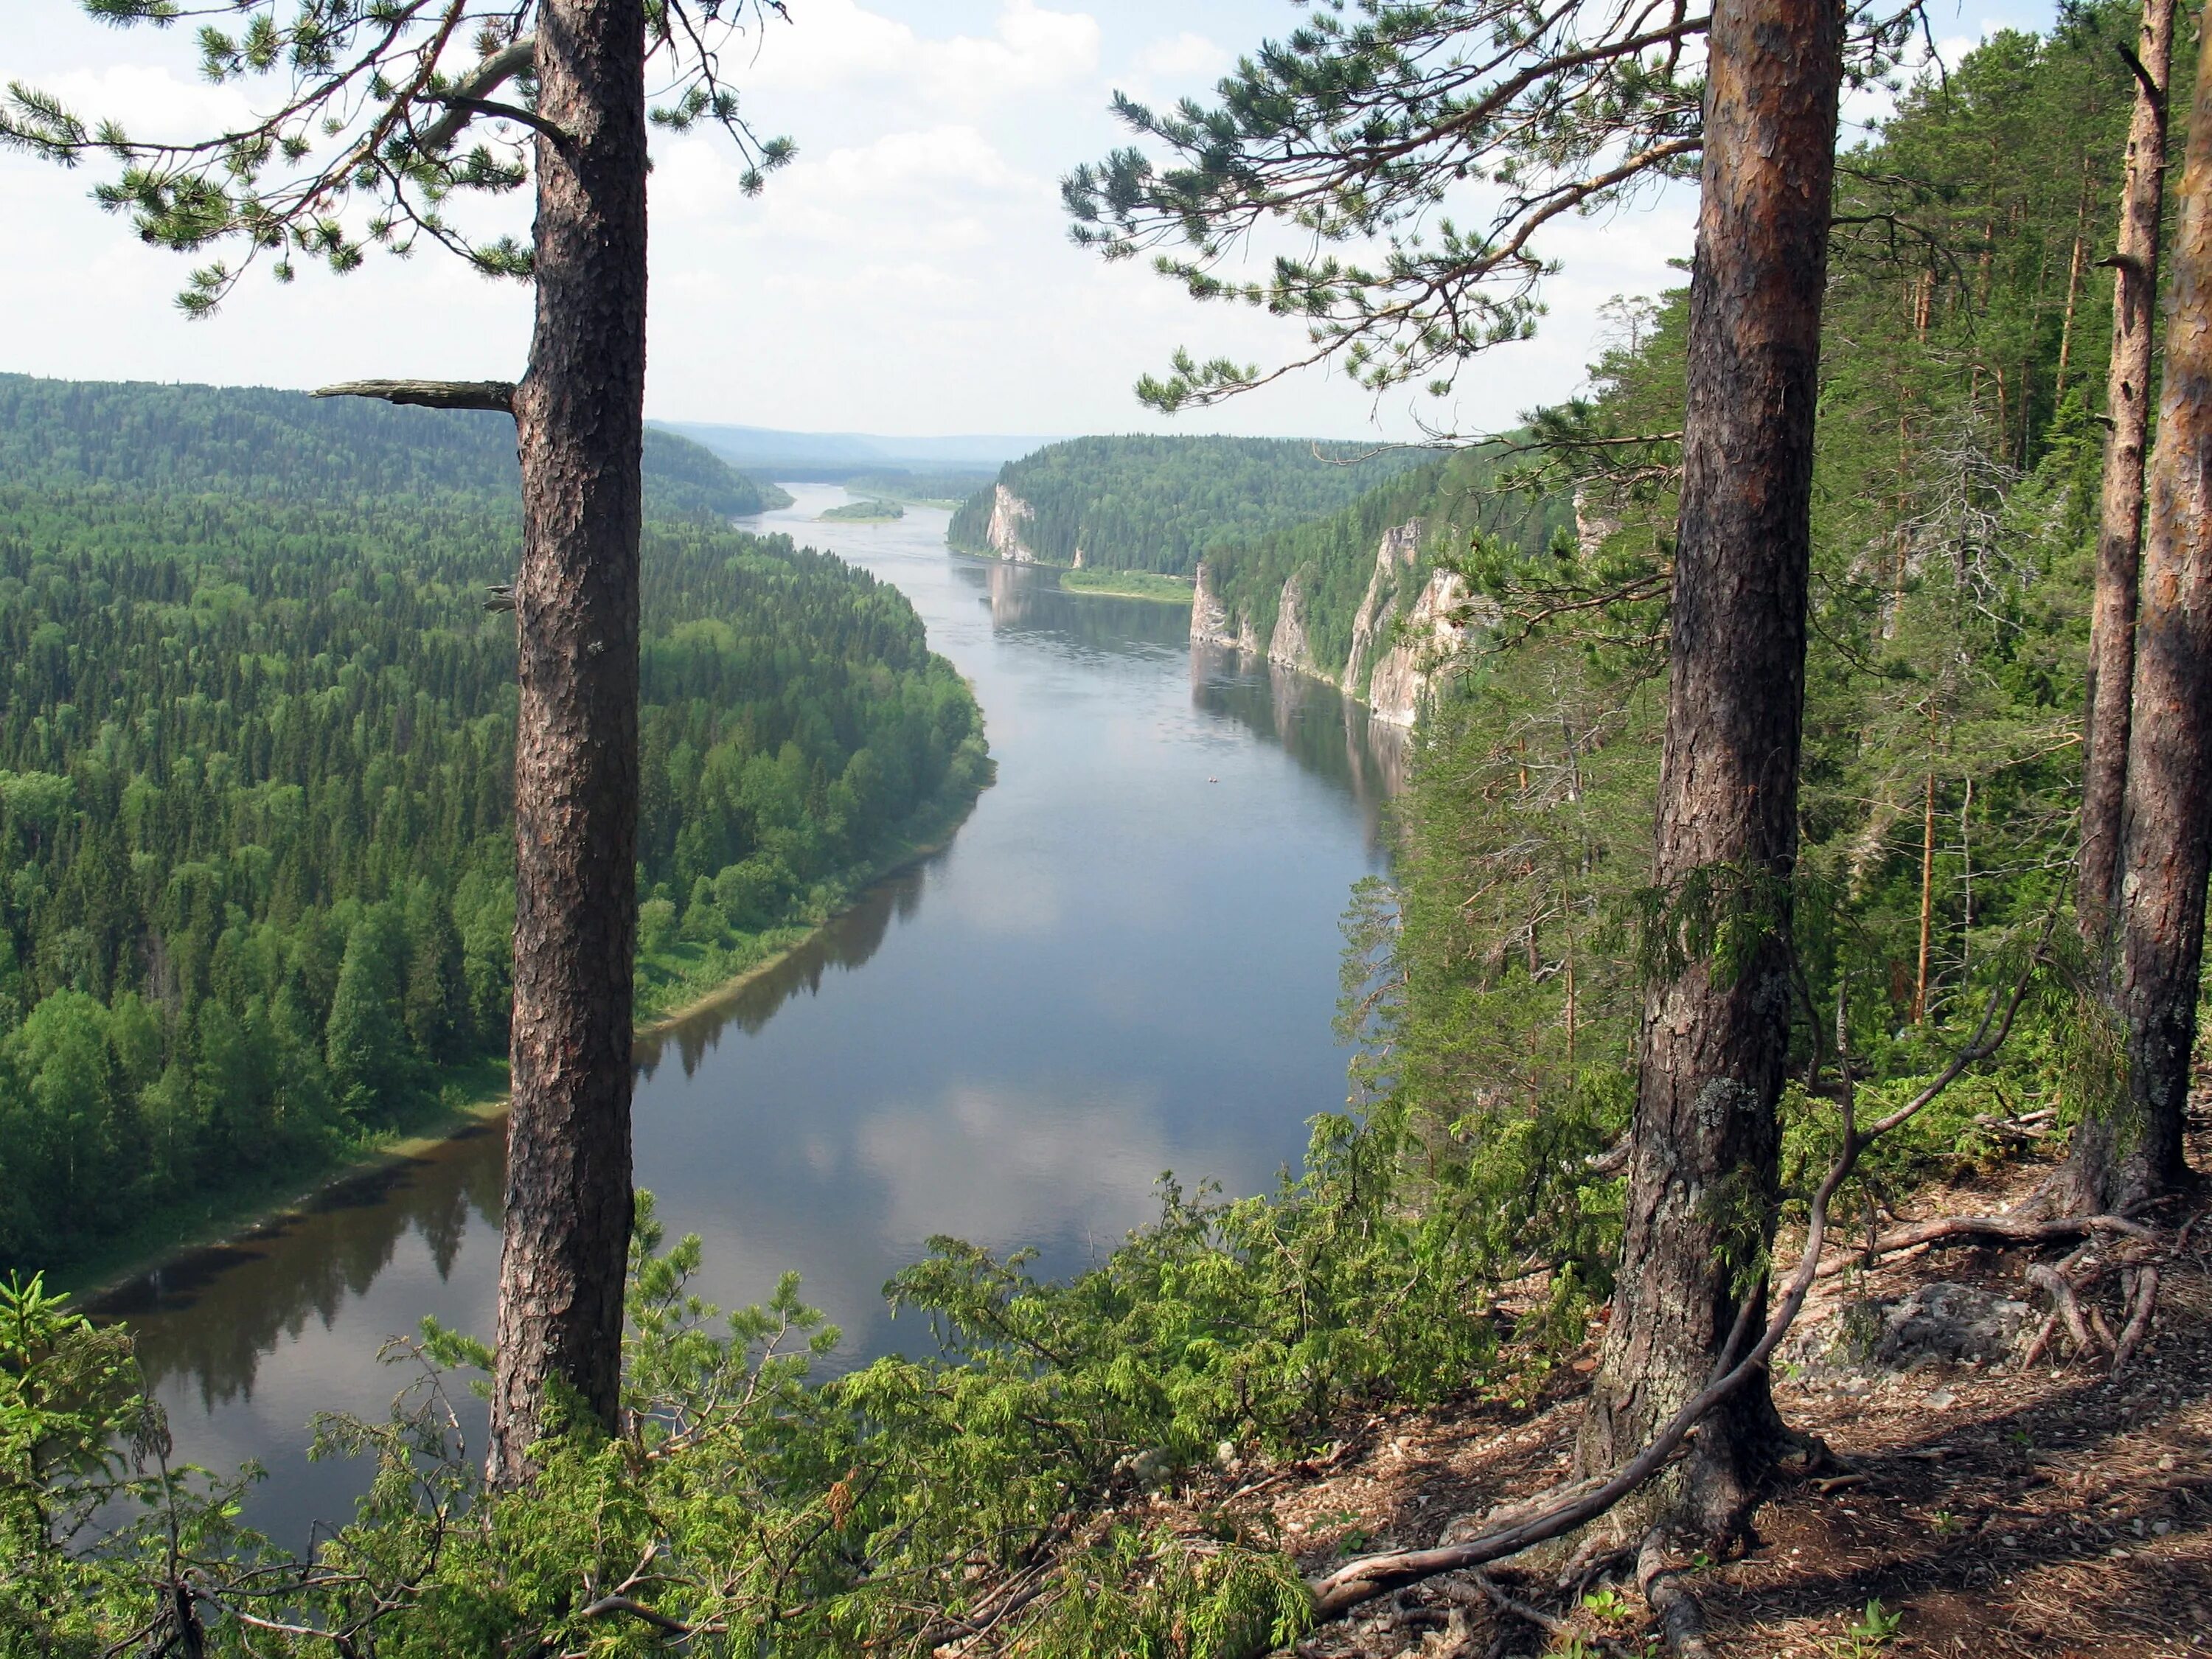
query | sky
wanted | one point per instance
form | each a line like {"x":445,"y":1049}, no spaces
{"x":909,"y":273}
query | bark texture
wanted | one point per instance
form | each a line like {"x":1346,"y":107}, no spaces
{"x":2166,"y":828}
{"x":1702,"y":1169}
{"x":579,"y":424}
{"x":2119,"y":531}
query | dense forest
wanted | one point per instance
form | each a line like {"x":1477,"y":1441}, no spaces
{"x":283,"y":445}
{"x":256,"y":836}
{"x":1161,"y":504}
{"x":1457,"y":500}
{"x":1955,"y":522}
{"x":1142,"y":1458}
{"x":921,"y":488}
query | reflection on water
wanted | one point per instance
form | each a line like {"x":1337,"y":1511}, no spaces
{"x":1330,"y":735}
{"x":1124,"y":963}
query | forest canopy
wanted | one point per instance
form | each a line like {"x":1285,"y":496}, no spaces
{"x":1161,"y":503}
{"x":285,"y":445}
{"x":256,"y":749}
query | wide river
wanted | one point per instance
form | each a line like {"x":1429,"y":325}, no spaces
{"x":1124,"y":963}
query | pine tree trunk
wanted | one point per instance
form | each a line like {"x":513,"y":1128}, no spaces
{"x":580,"y":417}
{"x":2165,"y":851}
{"x":1702,"y":1172}
{"x":2119,"y":532}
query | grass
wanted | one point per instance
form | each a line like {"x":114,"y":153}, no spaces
{"x":1128,"y":585}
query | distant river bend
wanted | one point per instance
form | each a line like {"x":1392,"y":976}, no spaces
{"x":1125,"y":962}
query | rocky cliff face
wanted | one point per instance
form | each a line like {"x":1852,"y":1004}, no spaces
{"x":1211,"y":622}
{"x":1009,"y":512}
{"x":1290,"y":647}
{"x":1393,"y":655}
{"x":1426,"y":636}
{"x":1400,"y":550}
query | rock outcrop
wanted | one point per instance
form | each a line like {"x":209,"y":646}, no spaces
{"x":1291,"y":647}
{"x":1400,"y":552}
{"x":1426,"y":636}
{"x":1211,"y":622}
{"x":1393,"y":655}
{"x":1009,"y":512}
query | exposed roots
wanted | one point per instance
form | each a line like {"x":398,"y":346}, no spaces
{"x":1671,"y":1599}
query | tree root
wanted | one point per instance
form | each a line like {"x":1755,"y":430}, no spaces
{"x":2012,"y":1230}
{"x":2064,"y":1302}
{"x":1680,"y":1616}
{"x":2138,"y":1325}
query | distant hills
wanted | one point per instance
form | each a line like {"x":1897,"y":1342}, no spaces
{"x":833,"y":456}
{"x":256,"y":440}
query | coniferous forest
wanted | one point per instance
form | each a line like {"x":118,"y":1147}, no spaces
{"x":256,"y":754}
{"x":1159,"y":503}
{"x":1762,"y":1218}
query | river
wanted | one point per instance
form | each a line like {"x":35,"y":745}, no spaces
{"x":1125,"y":962}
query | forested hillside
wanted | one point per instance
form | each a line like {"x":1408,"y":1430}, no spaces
{"x":1160,"y":504}
{"x":256,"y":843}
{"x":1955,"y":520}
{"x":290,"y":446}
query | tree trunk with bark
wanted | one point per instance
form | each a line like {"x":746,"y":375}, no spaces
{"x":2166,"y":850}
{"x":1702,"y":1172}
{"x":2119,"y":531}
{"x":579,"y":420}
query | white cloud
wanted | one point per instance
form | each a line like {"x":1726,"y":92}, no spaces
{"x":1184,"y":58}
{"x":838,"y":45}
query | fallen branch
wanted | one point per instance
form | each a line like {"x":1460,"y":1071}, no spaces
{"x":2044,"y":1332}
{"x":1362,"y":1580}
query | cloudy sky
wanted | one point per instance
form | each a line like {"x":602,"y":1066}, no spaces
{"x":910,"y":273}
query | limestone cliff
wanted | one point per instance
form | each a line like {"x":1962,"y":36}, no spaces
{"x":1009,"y":512}
{"x":1291,"y":646}
{"x":1400,"y":550}
{"x":1426,"y":636}
{"x":1395,"y":649}
{"x":1211,"y":622}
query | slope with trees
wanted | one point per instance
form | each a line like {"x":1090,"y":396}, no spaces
{"x":287,"y":445}
{"x":1160,"y":503}
{"x":256,"y":824}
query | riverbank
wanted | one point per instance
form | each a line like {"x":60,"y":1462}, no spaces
{"x":674,"y":985}
{"x":1128,"y":585}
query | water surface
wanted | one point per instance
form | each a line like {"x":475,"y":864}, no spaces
{"x":1125,"y":962}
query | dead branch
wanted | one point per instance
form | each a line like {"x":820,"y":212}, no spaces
{"x":496,"y":395}
{"x":518,"y":59}
{"x":2044,"y":1332}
